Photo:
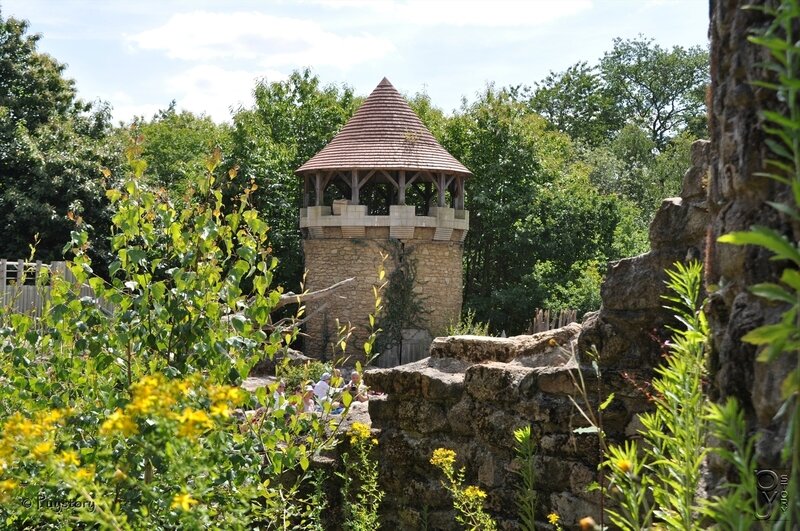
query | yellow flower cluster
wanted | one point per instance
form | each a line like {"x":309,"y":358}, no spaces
{"x":474,"y":493}
{"x":183,"y":501}
{"x":154,"y":394}
{"x":222,"y":397}
{"x":359,"y":432}
{"x":119,"y":422}
{"x":192,"y":422}
{"x":41,"y":450}
{"x":226,"y":393}
{"x":19,"y":426}
{"x":85,"y":473}
{"x":553,"y":518}
{"x":6,"y":486}
{"x":443,"y":458}
{"x":69,"y":457}
{"x":21,"y":434}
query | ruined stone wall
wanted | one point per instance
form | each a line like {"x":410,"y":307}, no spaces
{"x":473,"y":392}
{"x":330,"y":260}
{"x":737,"y":201}
{"x":470,"y":396}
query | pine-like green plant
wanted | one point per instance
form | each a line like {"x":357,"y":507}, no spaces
{"x":668,"y":463}
{"x":776,"y":339}
{"x":525,"y":448}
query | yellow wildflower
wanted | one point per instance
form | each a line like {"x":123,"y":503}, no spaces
{"x":624,"y":466}
{"x":193,"y":421}
{"x":375,"y":442}
{"x":553,"y":518}
{"x":42,"y":450}
{"x":185,"y":387}
{"x":183,"y":501}
{"x":225,"y":393}
{"x":220,"y":409}
{"x":7,"y":485}
{"x":85,"y":473}
{"x":118,"y":421}
{"x":359,"y":431}
{"x":474,"y":493}
{"x":69,"y":457}
{"x":443,"y":457}
{"x":51,"y":417}
{"x":19,"y":425}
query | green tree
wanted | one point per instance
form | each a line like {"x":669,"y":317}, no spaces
{"x":290,"y":122}
{"x":578,"y":103}
{"x":538,"y":226}
{"x":661,"y":90}
{"x":177,"y":144}
{"x":53,"y":148}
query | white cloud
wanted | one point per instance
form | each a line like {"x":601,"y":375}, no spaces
{"x":268,"y":40}
{"x":491,"y":14}
{"x":213,"y":90}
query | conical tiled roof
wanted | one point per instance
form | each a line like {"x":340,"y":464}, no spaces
{"x":385,"y":133}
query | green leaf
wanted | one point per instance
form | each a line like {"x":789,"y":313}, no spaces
{"x":767,"y":334}
{"x":773,"y":292}
{"x":785,"y":209}
{"x":790,"y":385}
{"x":767,"y":238}
{"x":791,"y":277}
{"x":781,"y":120}
{"x":778,"y":149}
{"x":606,"y":402}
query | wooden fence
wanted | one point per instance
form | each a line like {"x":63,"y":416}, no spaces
{"x":19,"y":290}
{"x":543,"y":321}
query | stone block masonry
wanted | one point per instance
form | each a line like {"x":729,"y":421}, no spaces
{"x":469,"y":396}
{"x":330,"y":260}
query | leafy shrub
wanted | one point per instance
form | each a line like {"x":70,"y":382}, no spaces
{"x":468,"y":326}
{"x":297,"y":375}
{"x":99,"y":410}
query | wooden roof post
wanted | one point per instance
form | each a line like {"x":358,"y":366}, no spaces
{"x":306,"y":191}
{"x":401,"y":188}
{"x":442,"y":188}
{"x":318,"y":188}
{"x":354,"y":187}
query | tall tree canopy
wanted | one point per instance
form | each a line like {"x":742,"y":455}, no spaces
{"x":290,"y":122}
{"x":539,"y":229}
{"x":52,"y":151}
{"x":176,"y":145}
{"x":662,"y":91}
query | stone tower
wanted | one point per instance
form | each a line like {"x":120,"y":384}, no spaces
{"x":383,"y":181}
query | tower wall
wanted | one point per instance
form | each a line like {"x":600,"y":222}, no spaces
{"x":333,"y":259}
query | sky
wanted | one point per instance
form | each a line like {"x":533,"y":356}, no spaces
{"x":139,"y":55}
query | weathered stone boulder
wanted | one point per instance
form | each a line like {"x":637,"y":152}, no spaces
{"x":629,"y":330}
